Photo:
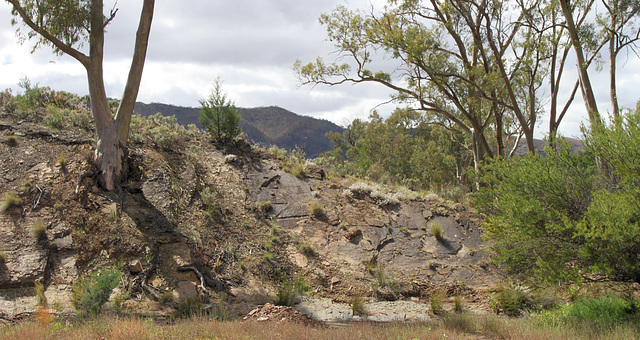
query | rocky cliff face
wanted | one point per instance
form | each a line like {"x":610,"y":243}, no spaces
{"x":225,"y":225}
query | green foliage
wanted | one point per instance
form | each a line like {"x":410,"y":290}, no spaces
{"x":404,"y":149}
{"x":189,"y":308}
{"x":436,"y":301}
{"x":210,"y":200}
{"x":10,"y":200}
{"x":219,"y":116}
{"x":357,"y":306}
{"x":316,"y":210}
{"x":597,"y":314}
{"x":38,"y":289}
{"x":38,"y":230}
{"x":611,"y":227}
{"x":436,"y":230}
{"x":91,"y":292}
{"x":161,"y":130}
{"x":264,"y":206}
{"x":11,"y":140}
{"x":290,"y":289}
{"x":307,"y":249}
{"x":533,"y":206}
{"x":552,"y":217}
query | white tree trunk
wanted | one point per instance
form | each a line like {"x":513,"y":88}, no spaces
{"x":110,"y":158}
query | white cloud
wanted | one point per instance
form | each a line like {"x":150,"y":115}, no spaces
{"x":251,"y":45}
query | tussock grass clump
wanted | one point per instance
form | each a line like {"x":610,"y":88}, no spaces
{"x":38,"y":289}
{"x":357,"y":306}
{"x":298,"y":170}
{"x":11,"y":140}
{"x":436,"y":301}
{"x":264,"y":206}
{"x":62,"y":162}
{"x":307,"y":250}
{"x":39,"y":230}
{"x":290,"y":289}
{"x":316,"y":210}
{"x":10,"y":200}
{"x":436,"y":230}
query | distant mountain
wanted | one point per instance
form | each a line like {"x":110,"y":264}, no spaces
{"x":522,"y":149}
{"x":262,"y":125}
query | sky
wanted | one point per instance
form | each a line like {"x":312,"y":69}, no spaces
{"x":251,"y":45}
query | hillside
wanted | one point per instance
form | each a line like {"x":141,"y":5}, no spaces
{"x":263,"y":126}
{"x":225,"y":225}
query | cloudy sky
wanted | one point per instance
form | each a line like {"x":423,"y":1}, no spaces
{"x":250,"y":44}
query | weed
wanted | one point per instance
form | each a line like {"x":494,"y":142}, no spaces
{"x":39,"y":230}
{"x":166,"y":297}
{"x":298,"y":170}
{"x":38,"y":289}
{"x":513,"y":299}
{"x":458,"y":303}
{"x":437,"y":301}
{"x":264,"y":206}
{"x":189,"y":308}
{"x":357,"y":306}
{"x":307,"y":250}
{"x":405,"y":231}
{"x":26,"y":185}
{"x":62,"y":162}
{"x":11,"y":140}
{"x":436,"y":230}
{"x":91,"y":292}
{"x":289,"y":290}
{"x":10,"y":200}
{"x":316,"y":210}
{"x":268,"y":256}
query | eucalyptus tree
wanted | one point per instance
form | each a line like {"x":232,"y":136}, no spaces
{"x":471,"y":65}
{"x":66,"y":26}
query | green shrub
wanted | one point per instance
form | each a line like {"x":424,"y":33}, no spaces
{"x":91,"y":292}
{"x":10,"y":200}
{"x":219,"y":116}
{"x":55,"y":117}
{"x":533,"y":206}
{"x":513,"y":300}
{"x":210,"y":200}
{"x":607,"y":309}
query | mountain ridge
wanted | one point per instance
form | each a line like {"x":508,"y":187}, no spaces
{"x":266,"y":126}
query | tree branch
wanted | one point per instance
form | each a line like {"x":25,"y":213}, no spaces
{"x":81,"y":57}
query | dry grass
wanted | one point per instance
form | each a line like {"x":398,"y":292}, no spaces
{"x":452,"y":326}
